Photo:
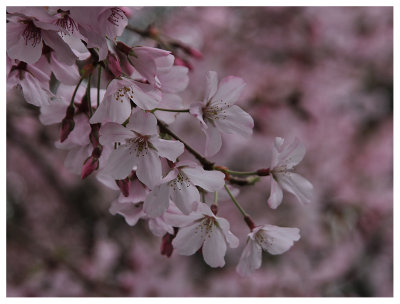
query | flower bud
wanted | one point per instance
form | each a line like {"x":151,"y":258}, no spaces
{"x":166,"y":245}
{"x":124,"y":185}
{"x":249,"y":222}
{"x":91,"y":164}
{"x":67,"y":124}
{"x":182,"y":62}
{"x":214,"y":209}
{"x":113,"y":64}
{"x":124,"y":48}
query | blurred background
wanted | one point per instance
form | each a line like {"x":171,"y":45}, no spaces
{"x":324,"y":75}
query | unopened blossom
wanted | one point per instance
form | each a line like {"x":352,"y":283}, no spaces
{"x":116,"y":105}
{"x":218,"y":112}
{"x":285,"y":156}
{"x":180,"y":186}
{"x":138,"y":144}
{"x":202,"y":228}
{"x":273,"y":239}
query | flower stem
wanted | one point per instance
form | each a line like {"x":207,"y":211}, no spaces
{"x":235,"y":202}
{"x":88,"y":96}
{"x":76,"y":89}
{"x":241,"y":173}
{"x":169,"y":110}
{"x":98,"y":85}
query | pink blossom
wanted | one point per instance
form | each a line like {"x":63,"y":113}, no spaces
{"x":274,"y":239}
{"x":217,"y":113}
{"x":284,"y":157}
{"x":139,"y":145}
{"x":116,"y":105}
{"x":202,"y":228}
{"x":180,"y":186}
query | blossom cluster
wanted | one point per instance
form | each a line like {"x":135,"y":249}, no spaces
{"x":115,"y":103}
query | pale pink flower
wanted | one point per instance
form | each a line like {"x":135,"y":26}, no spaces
{"x":202,"y":228}
{"x":180,"y":186}
{"x":26,"y":34}
{"x":138,"y":145}
{"x":217,"y":113}
{"x":116,"y":105}
{"x":274,"y":239}
{"x":284,"y":157}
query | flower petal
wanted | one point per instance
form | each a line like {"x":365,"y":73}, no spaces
{"x":250,"y":259}
{"x":287,"y":154}
{"x":170,"y":149}
{"x":276,"y":195}
{"x":131,"y":212}
{"x":143,"y":123}
{"x":67,"y":74}
{"x":213,"y":140}
{"x":277,"y":240}
{"x":184,"y":195}
{"x":189,"y":239}
{"x":232,"y":240}
{"x":120,"y":163}
{"x":229,"y":90}
{"x":149,"y":168}
{"x":211,"y":85}
{"x":112,"y":132}
{"x":235,"y":121}
{"x":157,"y":201}
{"x":297,"y":185}
{"x":214,"y":248}
{"x":209,"y":180}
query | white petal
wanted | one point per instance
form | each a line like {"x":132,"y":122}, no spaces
{"x":131,"y":212}
{"x":232,"y":240}
{"x":159,"y":228}
{"x":277,"y":240}
{"x":297,"y":185}
{"x":61,"y":49}
{"x":149,"y":168}
{"x":184,"y":195}
{"x":213,"y":140}
{"x":143,"y":123}
{"x":234,"y":120}
{"x":67,"y":74}
{"x":176,"y":218}
{"x":289,"y":154}
{"x":214,"y":248}
{"x":170,"y":149}
{"x":113,"y":132}
{"x":276,"y":195}
{"x":174,"y":80}
{"x":120,"y":163}
{"x":146,"y":96}
{"x":188,"y":240}
{"x":250,"y":259}
{"x":137,"y":193}
{"x":33,"y":91}
{"x":209,"y":180}
{"x":229,"y":90}
{"x":211,"y":85}
{"x":196,"y":109}
{"x":157,"y":201}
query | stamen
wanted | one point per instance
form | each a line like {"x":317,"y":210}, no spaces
{"x":116,"y":15}
{"x":121,"y":93}
{"x":32,"y":34}
{"x":67,"y":23}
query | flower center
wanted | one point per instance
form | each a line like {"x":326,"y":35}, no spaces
{"x":215,"y":112}
{"x":32,"y":34}
{"x":138,"y":145}
{"x":116,"y":15}
{"x":120,"y":94}
{"x":179,"y":182}
{"x":263,"y":239}
{"x":67,"y":23}
{"x":206,"y":226}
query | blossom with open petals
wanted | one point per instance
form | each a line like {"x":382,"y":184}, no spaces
{"x":218,"y":112}
{"x":202,"y":228}
{"x":138,"y":144}
{"x":284,"y":157}
{"x":274,"y":239}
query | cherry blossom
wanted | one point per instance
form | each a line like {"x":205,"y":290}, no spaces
{"x":180,"y":186}
{"x":218,"y":112}
{"x":138,"y":145}
{"x":202,"y":228}
{"x":274,"y":239}
{"x":284,"y":157}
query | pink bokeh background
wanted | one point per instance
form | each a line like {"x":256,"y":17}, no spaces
{"x":324,"y":75}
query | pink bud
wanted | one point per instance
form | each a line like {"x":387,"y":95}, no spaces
{"x":214,"y":209}
{"x":124,"y":185}
{"x":67,"y":125}
{"x":113,"y":64}
{"x":124,"y":48}
{"x":195,"y":53}
{"x":166,"y":245}
{"x":91,"y":164}
{"x":181,"y":62}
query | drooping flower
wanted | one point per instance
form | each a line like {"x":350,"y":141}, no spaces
{"x":116,"y":105}
{"x":274,"y":239}
{"x":180,"y":186}
{"x":202,"y":228}
{"x":218,"y":112}
{"x":284,"y":157}
{"x":138,"y":144}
